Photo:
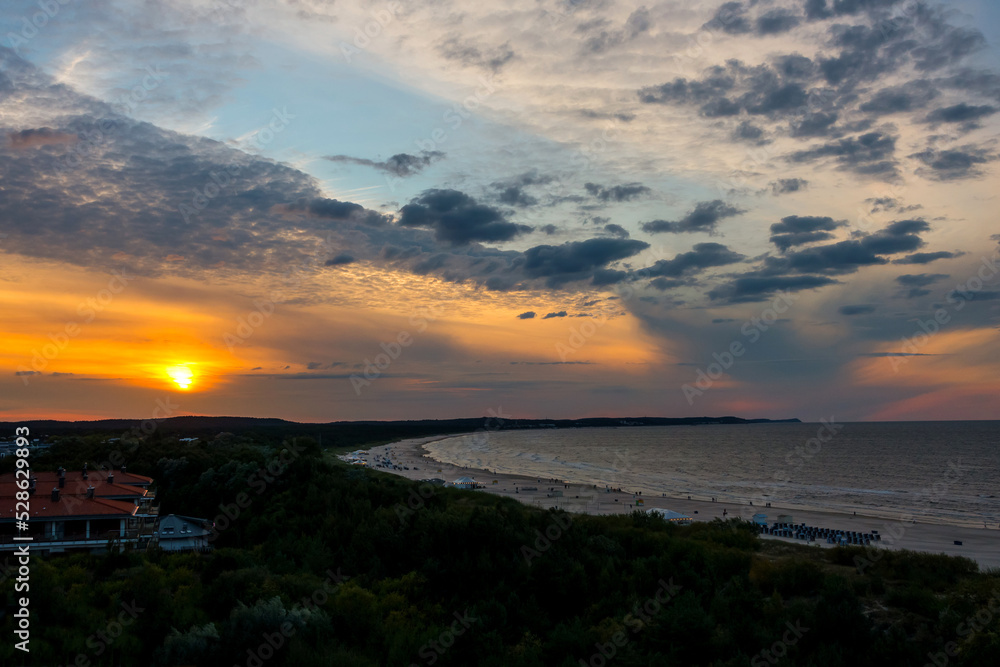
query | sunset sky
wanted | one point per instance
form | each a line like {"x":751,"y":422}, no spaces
{"x":537,"y":208}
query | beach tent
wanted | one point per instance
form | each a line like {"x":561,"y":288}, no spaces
{"x":464,"y":483}
{"x":670,"y":515}
{"x":760,"y":519}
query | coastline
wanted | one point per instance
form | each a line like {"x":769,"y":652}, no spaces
{"x":979,"y":544}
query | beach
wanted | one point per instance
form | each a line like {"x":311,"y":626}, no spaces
{"x":979,"y":544}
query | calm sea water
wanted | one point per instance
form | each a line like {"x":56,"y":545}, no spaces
{"x":940,"y":472}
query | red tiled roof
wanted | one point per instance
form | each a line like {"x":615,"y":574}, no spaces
{"x":77,"y":487}
{"x":42,"y":506}
{"x":128,"y":478}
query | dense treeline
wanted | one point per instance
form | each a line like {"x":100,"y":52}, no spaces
{"x":339,"y":434}
{"x":318,"y":563}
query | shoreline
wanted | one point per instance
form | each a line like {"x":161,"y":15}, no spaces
{"x":979,"y":544}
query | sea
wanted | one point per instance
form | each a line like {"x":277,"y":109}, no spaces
{"x":934,"y":472}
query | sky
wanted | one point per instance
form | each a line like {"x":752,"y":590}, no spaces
{"x":330,"y":211}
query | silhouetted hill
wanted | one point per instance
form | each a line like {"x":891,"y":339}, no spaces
{"x":347,"y":433}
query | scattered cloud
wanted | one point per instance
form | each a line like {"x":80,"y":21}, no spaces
{"x":796,"y":230}
{"x":784,"y":186}
{"x":870,"y":154}
{"x":926,"y":257}
{"x":702,"y":256}
{"x":400,"y":164}
{"x":577,"y":260}
{"x":617,"y":193}
{"x":960,"y":113}
{"x":860,"y":309}
{"x":703,"y":218}
{"x":340,"y":260}
{"x":953,"y":164}
{"x":760,"y":287}
{"x":458,"y":219}
{"x":469,"y":53}
{"x":616,"y":230}
{"x":915,"y":283}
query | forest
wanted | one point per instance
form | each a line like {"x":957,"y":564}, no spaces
{"x":329,"y":564}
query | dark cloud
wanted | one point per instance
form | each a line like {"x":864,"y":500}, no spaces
{"x":880,"y":204}
{"x":953,"y":164}
{"x":664,"y":284}
{"x":530,"y":315}
{"x":796,"y":230}
{"x":818,"y":124}
{"x":549,"y":316}
{"x":759,"y":90}
{"x":916,"y":282}
{"x":472,"y":55}
{"x":604,"y":277}
{"x":910,"y":96}
{"x":984,"y":295}
{"x":734,"y":19}
{"x":515,"y":191}
{"x":515,"y":196}
{"x":795,"y":66}
{"x":747,"y":131}
{"x":822,"y":9}
{"x":458,"y":219}
{"x":550,"y":229}
{"x":950,"y":45}
{"x":339,"y":260}
{"x":960,"y":113}
{"x":577,"y":260}
{"x":617,"y":193}
{"x":702,"y":256}
{"x":334,"y":209}
{"x":616,"y":230}
{"x":926,"y":257}
{"x":776,"y":21}
{"x":400,"y":164}
{"x":623,"y":117}
{"x":703,"y":218}
{"x":785,"y":186}
{"x":868,"y":154}
{"x":430,"y":264}
{"x":813,"y":95}
{"x":750,"y":288}
{"x":730,"y":17}
{"x":861,"y":309}
{"x":920,"y":279}
{"x":848,"y":256}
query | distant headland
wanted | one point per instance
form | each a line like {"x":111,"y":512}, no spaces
{"x":345,"y":433}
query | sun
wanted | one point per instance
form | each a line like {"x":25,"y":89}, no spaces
{"x":181,"y":376}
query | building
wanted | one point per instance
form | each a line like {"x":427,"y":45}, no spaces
{"x":183,"y":533}
{"x":84,"y":511}
{"x":671,"y":516}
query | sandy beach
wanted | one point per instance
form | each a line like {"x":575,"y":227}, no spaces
{"x":979,"y":544}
